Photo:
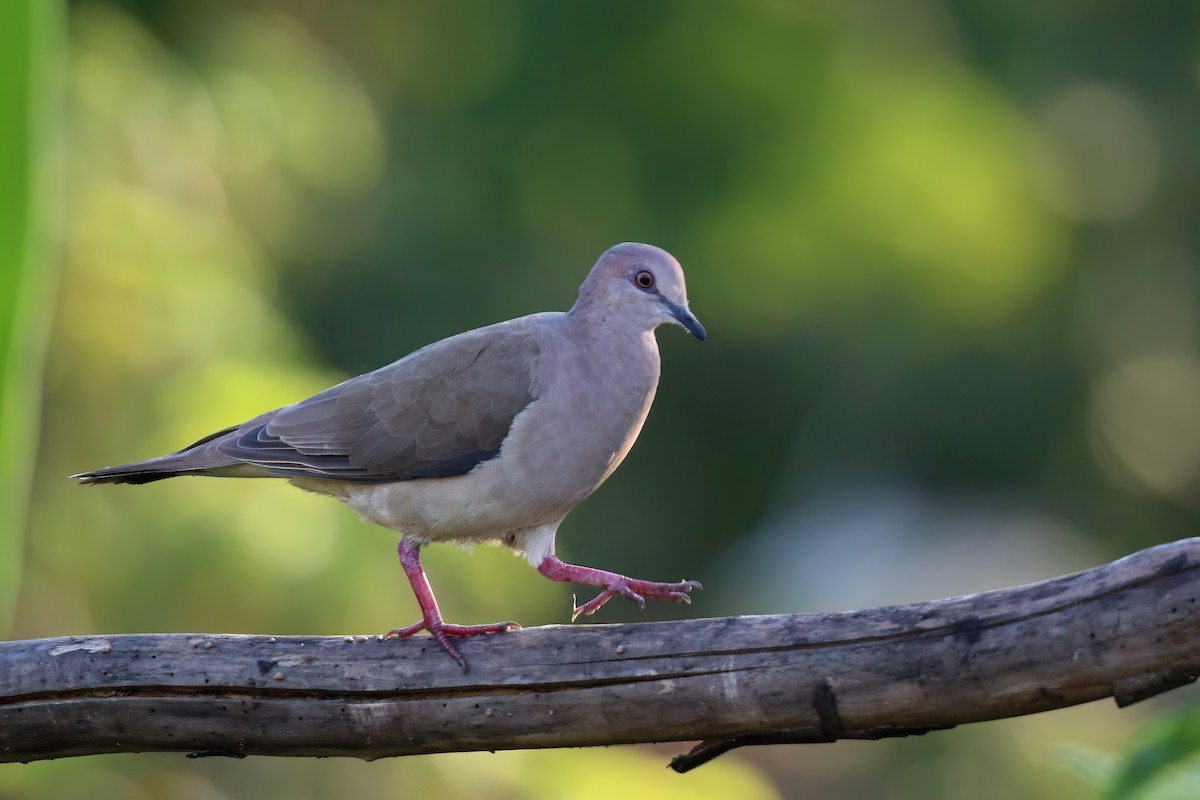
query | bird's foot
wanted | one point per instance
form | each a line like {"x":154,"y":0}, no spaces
{"x":431,"y":616}
{"x":442,"y":632}
{"x":614,"y":584}
{"x":637,"y":591}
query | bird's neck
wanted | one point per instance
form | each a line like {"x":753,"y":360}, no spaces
{"x":600,"y":322}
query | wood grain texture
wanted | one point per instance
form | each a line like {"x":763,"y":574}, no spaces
{"x":1129,"y":629}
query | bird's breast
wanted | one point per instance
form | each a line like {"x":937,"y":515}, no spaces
{"x":585,"y":420}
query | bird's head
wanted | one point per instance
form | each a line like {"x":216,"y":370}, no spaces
{"x":639,"y":284}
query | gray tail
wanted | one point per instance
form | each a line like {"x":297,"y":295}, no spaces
{"x":195,"y":459}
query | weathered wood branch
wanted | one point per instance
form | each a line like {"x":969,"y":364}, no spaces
{"x":1129,"y":629}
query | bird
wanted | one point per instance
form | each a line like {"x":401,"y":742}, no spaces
{"x":493,"y":435}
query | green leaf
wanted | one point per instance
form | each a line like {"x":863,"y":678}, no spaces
{"x":1164,"y":744}
{"x":29,"y":54}
{"x":1094,"y":766}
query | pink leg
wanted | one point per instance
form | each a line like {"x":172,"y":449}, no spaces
{"x":410,"y":559}
{"x":613,"y":585}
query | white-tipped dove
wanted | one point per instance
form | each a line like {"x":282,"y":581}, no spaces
{"x":493,"y":435}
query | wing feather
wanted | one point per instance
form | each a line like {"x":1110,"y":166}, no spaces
{"x":439,"y":411}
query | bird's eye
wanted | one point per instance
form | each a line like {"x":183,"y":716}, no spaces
{"x":644,"y":279}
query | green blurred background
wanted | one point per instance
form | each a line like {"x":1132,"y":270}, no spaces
{"x":947,"y":254}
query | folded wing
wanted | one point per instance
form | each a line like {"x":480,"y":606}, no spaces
{"x":439,"y":411}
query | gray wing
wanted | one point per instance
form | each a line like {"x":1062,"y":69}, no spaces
{"x":439,"y":411}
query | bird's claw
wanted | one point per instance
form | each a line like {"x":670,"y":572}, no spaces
{"x":638,"y":591}
{"x":451,"y":630}
{"x":441,"y":631}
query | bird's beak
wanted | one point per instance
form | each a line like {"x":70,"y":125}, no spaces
{"x":686,"y":318}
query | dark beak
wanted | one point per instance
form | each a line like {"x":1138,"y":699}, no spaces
{"x":687,"y":319}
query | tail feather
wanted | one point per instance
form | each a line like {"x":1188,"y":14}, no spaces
{"x":200,"y":458}
{"x":130,"y":473}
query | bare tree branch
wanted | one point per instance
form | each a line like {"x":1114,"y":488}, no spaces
{"x":1129,"y":629}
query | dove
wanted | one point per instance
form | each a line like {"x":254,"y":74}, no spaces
{"x":492,"y":435}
